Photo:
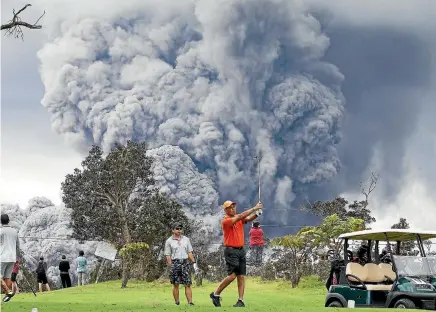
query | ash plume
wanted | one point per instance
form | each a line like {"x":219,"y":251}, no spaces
{"x":223,"y":80}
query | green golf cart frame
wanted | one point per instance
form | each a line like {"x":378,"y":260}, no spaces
{"x":407,"y":282}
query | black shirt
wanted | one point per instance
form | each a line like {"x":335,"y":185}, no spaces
{"x":64,"y":266}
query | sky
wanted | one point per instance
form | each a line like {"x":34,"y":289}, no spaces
{"x":34,"y":160}
{"x":384,"y":66}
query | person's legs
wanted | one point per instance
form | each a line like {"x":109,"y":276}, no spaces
{"x":224,"y":283}
{"x":40,"y":287}
{"x":188,"y":293}
{"x":240,"y":273}
{"x":176,"y":279}
{"x":15,"y":288}
{"x":260,"y":254}
{"x":5,"y":286}
{"x":45,"y":282}
{"x":8,"y":282}
{"x":176,"y":293}
{"x":5,"y":274}
{"x":186,"y":280}
{"x":79,"y":278}
{"x":14,"y":283}
{"x":63,"y":281}
{"x":68,"y":280}
{"x":232,"y":263}
{"x":241,"y":286}
{"x":83,"y":278}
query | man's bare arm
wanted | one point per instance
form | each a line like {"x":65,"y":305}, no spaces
{"x":251,"y":217}
{"x":191,"y":257}
{"x":246,"y":213}
{"x":169,"y":260}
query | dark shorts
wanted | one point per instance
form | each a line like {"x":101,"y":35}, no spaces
{"x":14,"y":277}
{"x":180,"y":272}
{"x":41,"y":278}
{"x":236,"y":261}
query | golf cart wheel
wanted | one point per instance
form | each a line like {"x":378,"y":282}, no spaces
{"x":404,"y":304}
{"x":336,"y":304}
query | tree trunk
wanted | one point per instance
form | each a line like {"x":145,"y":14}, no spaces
{"x":199,"y":278}
{"x":295,"y":276}
{"x":127,"y":240}
{"x":125,"y":273}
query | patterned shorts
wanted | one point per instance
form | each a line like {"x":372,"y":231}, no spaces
{"x":180,"y":272}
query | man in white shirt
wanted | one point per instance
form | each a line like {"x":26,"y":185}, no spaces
{"x":178,"y":252}
{"x":8,"y":255}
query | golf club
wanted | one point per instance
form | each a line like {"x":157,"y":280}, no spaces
{"x":259,"y":212}
{"x":27,"y":281}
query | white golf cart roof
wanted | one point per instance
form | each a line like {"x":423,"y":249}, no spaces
{"x":393,"y":235}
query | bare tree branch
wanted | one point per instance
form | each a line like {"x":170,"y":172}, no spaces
{"x":372,"y":184}
{"x":13,"y":27}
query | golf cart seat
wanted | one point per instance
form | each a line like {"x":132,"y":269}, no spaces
{"x":388,"y":271}
{"x":371,"y":275}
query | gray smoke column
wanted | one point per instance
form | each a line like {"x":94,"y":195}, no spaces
{"x":223,"y":80}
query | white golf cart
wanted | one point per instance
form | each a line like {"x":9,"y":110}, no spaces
{"x":387,"y":280}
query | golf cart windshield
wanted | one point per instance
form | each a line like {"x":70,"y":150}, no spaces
{"x":415,"y":266}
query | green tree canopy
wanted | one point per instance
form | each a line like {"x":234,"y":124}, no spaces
{"x":114,"y":199}
{"x":309,"y":240}
{"x":407,"y":248}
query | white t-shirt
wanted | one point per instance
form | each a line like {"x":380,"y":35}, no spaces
{"x":9,"y":244}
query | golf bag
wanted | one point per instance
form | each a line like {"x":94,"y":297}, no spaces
{"x":337,"y":273}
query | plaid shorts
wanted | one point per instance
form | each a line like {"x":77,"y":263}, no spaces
{"x":180,"y":272}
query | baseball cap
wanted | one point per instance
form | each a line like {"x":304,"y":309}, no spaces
{"x":177,"y":225}
{"x":4,"y":218}
{"x":228,"y":203}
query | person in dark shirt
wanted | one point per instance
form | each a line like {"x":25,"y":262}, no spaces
{"x":64,"y":267}
{"x":41,"y":274}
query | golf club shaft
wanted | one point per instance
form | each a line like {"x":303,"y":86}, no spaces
{"x":258,"y":162}
{"x":27,"y":281}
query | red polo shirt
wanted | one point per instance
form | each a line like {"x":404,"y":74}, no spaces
{"x":233,"y":233}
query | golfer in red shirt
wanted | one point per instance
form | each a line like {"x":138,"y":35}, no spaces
{"x":234,"y":253}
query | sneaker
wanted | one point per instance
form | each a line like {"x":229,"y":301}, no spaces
{"x":216,"y":300}
{"x":239,"y":303}
{"x":191,"y":304}
{"x":8,"y":296}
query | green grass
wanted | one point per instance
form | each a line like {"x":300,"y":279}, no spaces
{"x":141,"y":296}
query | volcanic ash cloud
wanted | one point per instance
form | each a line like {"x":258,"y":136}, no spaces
{"x":223,"y":80}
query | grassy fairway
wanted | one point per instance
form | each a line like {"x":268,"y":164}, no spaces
{"x":139,"y":296}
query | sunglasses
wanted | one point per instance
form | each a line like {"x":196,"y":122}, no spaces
{"x":178,"y":228}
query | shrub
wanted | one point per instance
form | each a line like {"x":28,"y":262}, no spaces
{"x":311,"y":281}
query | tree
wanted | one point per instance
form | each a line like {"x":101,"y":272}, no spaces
{"x":301,"y":248}
{"x":298,"y":250}
{"x":428,"y":245}
{"x":407,"y":248}
{"x":341,"y":207}
{"x":152,"y":225}
{"x":108,"y":194}
{"x":325,"y":235}
{"x":13,"y":27}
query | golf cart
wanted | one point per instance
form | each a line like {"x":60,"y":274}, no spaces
{"x":386,"y":280}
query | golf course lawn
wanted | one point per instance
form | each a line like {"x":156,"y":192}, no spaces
{"x":141,"y":296}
